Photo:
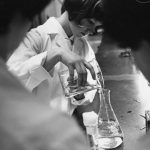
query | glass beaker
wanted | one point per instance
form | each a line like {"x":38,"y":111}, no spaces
{"x":71,"y":87}
{"x":109,"y":133}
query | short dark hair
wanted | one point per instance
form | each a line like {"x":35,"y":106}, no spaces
{"x":127,"y":21}
{"x":79,"y":9}
{"x":26,"y":8}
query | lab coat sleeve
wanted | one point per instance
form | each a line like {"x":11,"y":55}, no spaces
{"x":27,"y":60}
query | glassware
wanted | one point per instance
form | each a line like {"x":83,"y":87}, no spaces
{"x":90,"y":121}
{"x":71,"y":87}
{"x":98,"y":72}
{"x":147,"y":120}
{"x":109,"y":133}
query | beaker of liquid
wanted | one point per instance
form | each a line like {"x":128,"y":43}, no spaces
{"x":109,"y":133}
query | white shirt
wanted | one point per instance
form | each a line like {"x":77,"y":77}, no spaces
{"x":26,"y":124}
{"x":27,"y":63}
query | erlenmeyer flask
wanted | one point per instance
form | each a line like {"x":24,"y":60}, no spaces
{"x":109,"y":133}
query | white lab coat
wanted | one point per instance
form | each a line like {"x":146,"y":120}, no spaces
{"x":27,"y":63}
{"x":26,"y":124}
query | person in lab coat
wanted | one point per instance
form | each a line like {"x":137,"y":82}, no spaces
{"x":26,"y":124}
{"x":57,"y":44}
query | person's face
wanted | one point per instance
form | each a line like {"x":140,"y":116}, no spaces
{"x":142,"y":58}
{"x":85,"y":27}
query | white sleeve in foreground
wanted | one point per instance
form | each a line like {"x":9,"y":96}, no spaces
{"x":31,"y":71}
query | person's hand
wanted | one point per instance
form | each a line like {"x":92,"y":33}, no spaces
{"x":76,"y":62}
{"x":59,"y":52}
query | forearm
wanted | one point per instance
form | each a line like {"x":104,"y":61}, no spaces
{"x":52,"y":59}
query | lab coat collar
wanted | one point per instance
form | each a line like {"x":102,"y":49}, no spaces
{"x":53,"y":27}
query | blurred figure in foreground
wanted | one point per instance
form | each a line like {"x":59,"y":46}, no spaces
{"x":25,"y":124}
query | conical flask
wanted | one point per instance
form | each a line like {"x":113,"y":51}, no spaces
{"x":109,"y":133}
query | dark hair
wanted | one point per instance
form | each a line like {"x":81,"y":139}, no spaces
{"x":79,"y":9}
{"x":127,"y":21}
{"x":26,"y":8}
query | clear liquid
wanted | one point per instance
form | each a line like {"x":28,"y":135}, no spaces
{"x":109,"y":135}
{"x":108,"y":143}
{"x":108,"y":129}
